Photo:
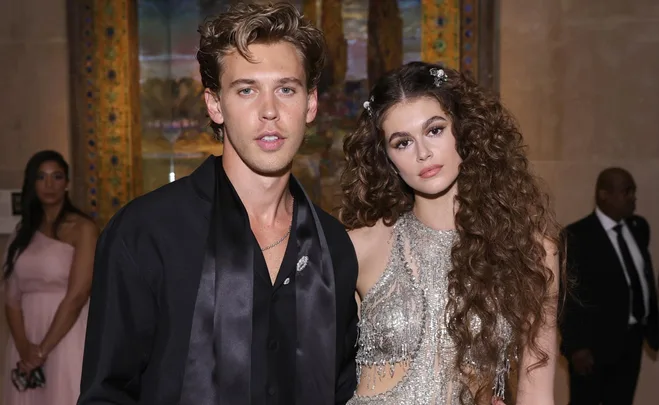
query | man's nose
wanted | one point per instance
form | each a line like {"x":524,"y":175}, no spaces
{"x":269,"y":108}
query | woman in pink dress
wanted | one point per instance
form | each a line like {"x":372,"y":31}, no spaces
{"x":47,"y":273}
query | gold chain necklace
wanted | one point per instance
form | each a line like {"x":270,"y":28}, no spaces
{"x":283,"y":238}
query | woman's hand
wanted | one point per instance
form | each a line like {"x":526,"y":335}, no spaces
{"x":23,"y":353}
{"x":23,"y":349}
{"x":31,"y":358}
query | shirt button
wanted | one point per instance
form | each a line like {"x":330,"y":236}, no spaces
{"x":271,"y":390}
{"x":273,"y":345}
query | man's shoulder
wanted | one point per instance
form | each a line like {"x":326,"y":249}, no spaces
{"x":330,"y":223}
{"x":582,"y":225}
{"x":641,"y":228}
{"x":342,"y":251}
{"x":639,"y":221}
{"x":326,"y":217}
{"x":335,"y":233}
{"x":163,"y":203}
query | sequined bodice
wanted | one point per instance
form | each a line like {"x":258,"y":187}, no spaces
{"x":402,"y":323}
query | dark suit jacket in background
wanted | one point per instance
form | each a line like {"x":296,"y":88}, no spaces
{"x":596,"y":315}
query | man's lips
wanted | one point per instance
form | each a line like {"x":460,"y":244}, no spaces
{"x":270,"y":136}
{"x":270,"y":141}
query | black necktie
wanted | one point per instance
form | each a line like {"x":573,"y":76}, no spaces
{"x":638,"y":307}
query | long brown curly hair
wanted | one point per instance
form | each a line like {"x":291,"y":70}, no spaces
{"x":502,"y":218}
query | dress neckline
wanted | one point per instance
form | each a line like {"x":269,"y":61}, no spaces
{"x":414,"y":219}
{"x":55,"y":240}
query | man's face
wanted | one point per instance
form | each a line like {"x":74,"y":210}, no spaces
{"x":619,"y":199}
{"x":264,"y":106}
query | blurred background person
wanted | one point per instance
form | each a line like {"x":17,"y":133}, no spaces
{"x":613,"y":306}
{"x":47,"y":275}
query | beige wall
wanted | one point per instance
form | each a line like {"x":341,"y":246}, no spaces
{"x":34,"y":101}
{"x":581,"y":77}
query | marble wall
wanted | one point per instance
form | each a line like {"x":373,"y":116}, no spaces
{"x":581,"y":78}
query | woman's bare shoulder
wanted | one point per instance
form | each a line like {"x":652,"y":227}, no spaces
{"x":79,"y":228}
{"x":371,"y":241}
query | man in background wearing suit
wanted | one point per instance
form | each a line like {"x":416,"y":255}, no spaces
{"x":612,"y":307}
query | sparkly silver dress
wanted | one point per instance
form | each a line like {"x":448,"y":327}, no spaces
{"x":402,"y":328}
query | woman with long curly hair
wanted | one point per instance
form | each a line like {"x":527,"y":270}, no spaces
{"x":457,"y":247}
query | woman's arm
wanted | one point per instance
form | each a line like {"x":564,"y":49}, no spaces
{"x":537,"y":386}
{"x":15,"y":321}
{"x":77,"y":294}
{"x":14,"y":313}
{"x":372,"y":246}
{"x":28,"y":352}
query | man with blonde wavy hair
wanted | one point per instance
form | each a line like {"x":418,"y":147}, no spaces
{"x":230,"y":286}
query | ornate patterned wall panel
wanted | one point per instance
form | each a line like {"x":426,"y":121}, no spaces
{"x":107,"y":105}
{"x":461,"y":34}
{"x":440,"y":33}
{"x":469,"y":37}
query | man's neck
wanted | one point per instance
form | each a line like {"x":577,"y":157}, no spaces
{"x":265,"y":197}
{"x":609,"y":214}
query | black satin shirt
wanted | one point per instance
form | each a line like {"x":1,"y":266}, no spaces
{"x":274,"y":330}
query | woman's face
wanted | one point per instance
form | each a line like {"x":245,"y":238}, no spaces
{"x":51,"y":183}
{"x":420,"y":143}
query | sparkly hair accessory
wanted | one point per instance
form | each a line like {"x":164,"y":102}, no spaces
{"x":440,"y":76}
{"x":367,"y":106}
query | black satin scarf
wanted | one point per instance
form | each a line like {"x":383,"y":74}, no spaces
{"x":218,"y":367}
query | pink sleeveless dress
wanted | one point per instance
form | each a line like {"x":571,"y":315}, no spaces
{"x":38,"y":285}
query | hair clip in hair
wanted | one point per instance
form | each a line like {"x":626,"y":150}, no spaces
{"x":440,"y":76}
{"x":367,"y":106}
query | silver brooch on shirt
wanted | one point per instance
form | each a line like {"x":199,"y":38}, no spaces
{"x":302,"y":263}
